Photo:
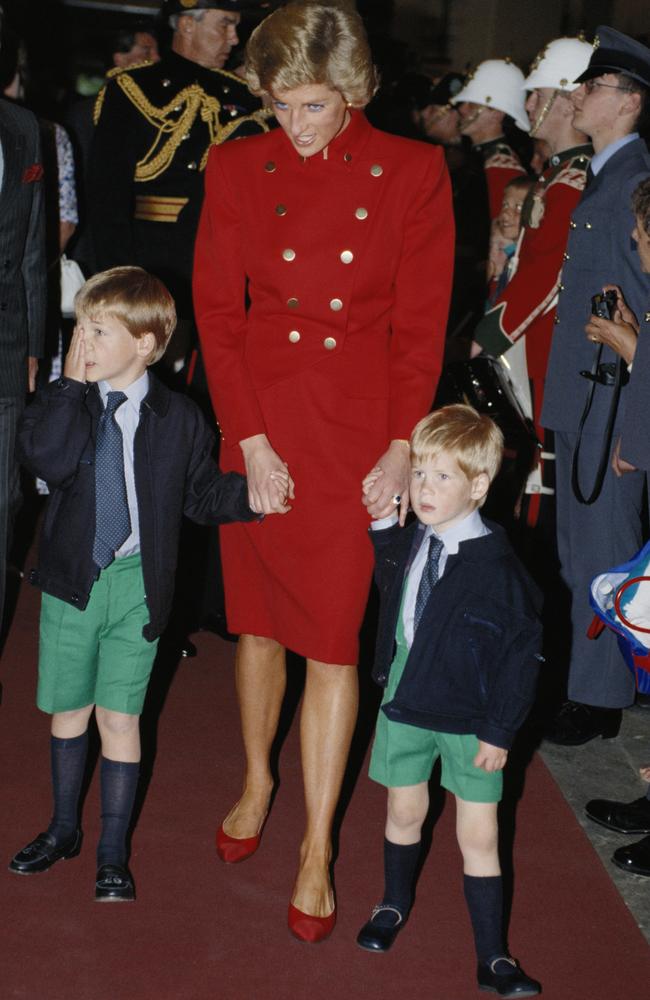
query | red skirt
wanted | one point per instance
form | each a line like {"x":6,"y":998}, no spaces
{"x":302,"y":578}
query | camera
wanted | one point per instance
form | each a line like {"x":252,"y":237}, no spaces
{"x":603,"y":304}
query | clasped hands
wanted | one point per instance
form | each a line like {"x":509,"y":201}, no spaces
{"x":270,"y":485}
{"x":386,"y":487}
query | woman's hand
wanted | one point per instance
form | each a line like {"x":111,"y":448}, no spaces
{"x":269,"y":482}
{"x":490,"y":758}
{"x":387,"y":484}
{"x":623,"y":312}
{"x":617,"y":334}
{"x":74,"y":366}
{"x":619,"y":465}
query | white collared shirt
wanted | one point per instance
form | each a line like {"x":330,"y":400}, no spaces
{"x":127,"y":416}
{"x":599,"y":160}
{"x":472,"y":526}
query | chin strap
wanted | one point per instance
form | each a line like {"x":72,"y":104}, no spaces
{"x":543,"y":113}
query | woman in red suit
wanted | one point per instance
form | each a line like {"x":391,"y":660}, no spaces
{"x":341,"y":237}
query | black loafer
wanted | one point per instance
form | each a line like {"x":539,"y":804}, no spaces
{"x":43,"y":852}
{"x":380,"y":937}
{"x":635,"y":858}
{"x":576,"y":724}
{"x":624,"y":817}
{"x":114,"y":885}
{"x":503,"y":976}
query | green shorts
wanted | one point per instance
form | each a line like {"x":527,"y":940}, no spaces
{"x":97,"y":656}
{"x":405,"y":755}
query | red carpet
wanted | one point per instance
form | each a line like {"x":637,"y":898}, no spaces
{"x":201,"y":930}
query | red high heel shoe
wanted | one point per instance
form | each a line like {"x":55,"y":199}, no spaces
{"x":311,"y":930}
{"x":232,"y":850}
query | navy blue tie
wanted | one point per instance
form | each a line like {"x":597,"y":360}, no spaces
{"x":429,"y":577}
{"x":113,"y":523}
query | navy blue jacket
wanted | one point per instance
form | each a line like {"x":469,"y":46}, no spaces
{"x":175,"y":474}
{"x":475,"y":656}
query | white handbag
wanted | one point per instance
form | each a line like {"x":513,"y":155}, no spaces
{"x":72,"y":278}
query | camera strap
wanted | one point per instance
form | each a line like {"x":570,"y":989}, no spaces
{"x":609,"y":431}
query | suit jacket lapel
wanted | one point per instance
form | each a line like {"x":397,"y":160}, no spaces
{"x":12,"y":146}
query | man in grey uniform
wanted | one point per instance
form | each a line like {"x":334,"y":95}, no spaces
{"x":609,"y":104}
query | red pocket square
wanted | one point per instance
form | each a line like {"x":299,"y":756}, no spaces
{"x":33,"y":173}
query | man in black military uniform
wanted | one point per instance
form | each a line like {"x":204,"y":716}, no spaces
{"x":155,"y":124}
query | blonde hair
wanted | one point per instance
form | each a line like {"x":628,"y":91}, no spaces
{"x":136,"y":299}
{"x":473,"y":439}
{"x":306,"y":42}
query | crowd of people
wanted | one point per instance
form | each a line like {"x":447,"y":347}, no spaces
{"x":298,"y":293}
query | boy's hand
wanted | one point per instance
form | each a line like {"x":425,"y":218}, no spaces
{"x":75,"y":360}
{"x":270,"y":485}
{"x":490,"y":758}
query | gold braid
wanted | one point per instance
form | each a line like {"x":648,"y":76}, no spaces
{"x":186,"y":105}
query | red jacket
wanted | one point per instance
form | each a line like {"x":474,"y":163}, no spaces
{"x":348,"y":261}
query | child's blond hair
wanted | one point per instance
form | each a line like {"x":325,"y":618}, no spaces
{"x":473,"y":439}
{"x":136,"y":299}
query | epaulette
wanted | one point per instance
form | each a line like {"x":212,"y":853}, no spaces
{"x":231,"y":76}
{"x":116,"y":70}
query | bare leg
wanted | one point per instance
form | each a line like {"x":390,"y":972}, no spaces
{"x":478,"y":837}
{"x":68,"y":725}
{"x":120,"y":735}
{"x":329,"y":713}
{"x":261,"y":680}
{"x":408,"y":806}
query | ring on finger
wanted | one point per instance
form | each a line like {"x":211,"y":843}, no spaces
{"x":397,"y":499}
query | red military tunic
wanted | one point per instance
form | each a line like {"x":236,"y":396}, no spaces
{"x":501,"y":165}
{"x":347,"y":260}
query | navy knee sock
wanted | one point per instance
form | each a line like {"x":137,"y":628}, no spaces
{"x":400,"y":862}
{"x":68,"y":761}
{"x":119,"y":781}
{"x":484,"y":898}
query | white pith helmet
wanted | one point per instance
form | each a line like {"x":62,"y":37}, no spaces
{"x":497,"y":83}
{"x":559,"y":64}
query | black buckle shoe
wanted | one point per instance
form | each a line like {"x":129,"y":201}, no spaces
{"x":43,"y":852}
{"x":576,"y":724}
{"x":624,"y":817}
{"x":114,"y":885}
{"x":380,"y":937}
{"x":634,"y":858}
{"x":503,"y":976}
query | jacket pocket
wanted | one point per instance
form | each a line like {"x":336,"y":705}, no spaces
{"x":483,"y":638}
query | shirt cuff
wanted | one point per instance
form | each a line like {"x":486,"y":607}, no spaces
{"x":384,"y":522}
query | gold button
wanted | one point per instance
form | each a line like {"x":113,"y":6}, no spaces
{"x":292,"y":303}
{"x":376,"y":170}
{"x":294,"y":336}
{"x":588,"y":225}
{"x":280,"y":209}
{"x":646,"y":318}
{"x":557,"y":320}
{"x":177,"y":108}
{"x":226,"y":90}
{"x":573,"y":225}
{"x":347,"y":157}
{"x":234,"y":112}
{"x":565,"y":256}
{"x":166,"y":83}
{"x":560,"y":288}
{"x":185,"y":137}
{"x":336,"y":305}
{"x":329,"y":343}
{"x":347,"y":256}
{"x":289,"y":254}
{"x":193,"y":165}
{"x":361,"y":213}
{"x":269,"y":167}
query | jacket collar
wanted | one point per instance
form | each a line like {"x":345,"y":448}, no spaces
{"x":157,"y":399}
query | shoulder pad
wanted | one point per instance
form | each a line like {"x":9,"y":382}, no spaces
{"x":117,"y":70}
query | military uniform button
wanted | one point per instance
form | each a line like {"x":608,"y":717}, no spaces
{"x":292,"y":303}
{"x":376,"y":170}
{"x":565,"y":256}
{"x":166,"y":83}
{"x":560,"y":288}
{"x":280,"y":209}
{"x":347,"y":157}
{"x":288,"y":254}
{"x":226,"y":89}
{"x":269,"y":167}
{"x":177,"y":108}
{"x":329,"y":343}
{"x":573,"y":225}
{"x":361,"y":213}
{"x":588,"y":225}
{"x":294,"y":336}
{"x":192,"y":165}
{"x":646,"y":318}
{"x":556,"y":320}
{"x":185,"y":137}
{"x":336,"y":305}
{"x":233,"y":112}
{"x":347,"y":256}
